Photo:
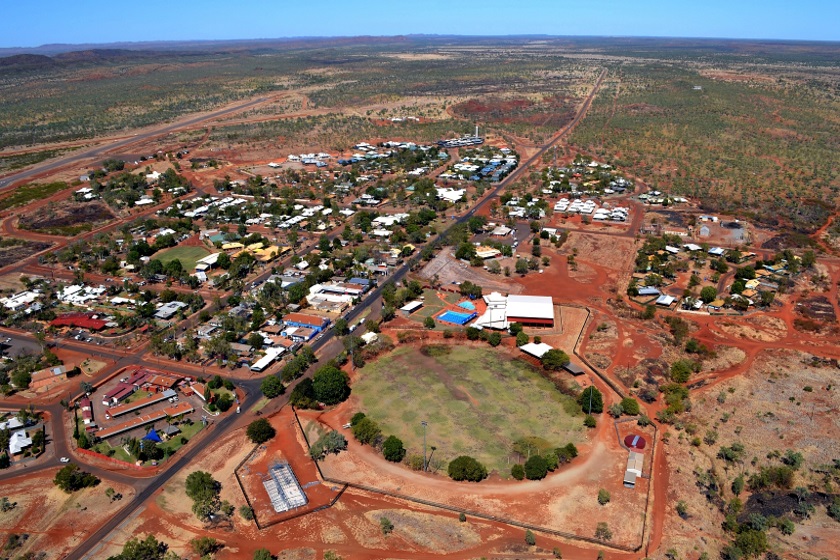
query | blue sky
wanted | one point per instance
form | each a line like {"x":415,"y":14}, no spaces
{"x":27,"y":24}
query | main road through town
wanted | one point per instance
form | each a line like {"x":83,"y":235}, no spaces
{"x":147,"y":487}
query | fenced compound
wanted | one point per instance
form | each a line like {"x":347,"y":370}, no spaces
{"x":283,"y":488}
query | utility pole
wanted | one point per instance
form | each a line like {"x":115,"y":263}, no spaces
{"x":425,"y":464}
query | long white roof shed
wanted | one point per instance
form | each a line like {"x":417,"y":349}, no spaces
{"x":531,"y":307}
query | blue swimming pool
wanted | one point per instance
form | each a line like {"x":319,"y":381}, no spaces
{"x":456,"y":318}
{"x":467,"y":305}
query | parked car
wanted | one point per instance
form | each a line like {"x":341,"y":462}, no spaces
{"x":64,"y":460}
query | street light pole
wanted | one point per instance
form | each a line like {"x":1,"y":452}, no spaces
{"x":424,"y":423}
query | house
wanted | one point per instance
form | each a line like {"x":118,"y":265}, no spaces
{"x":717,"y":251}
{"x":648,"y":291}
{"x":665,"y":300}
{"x":717,"y":304}
{"x":18,"y":441}
{"x":118,"y":394}
{"x":485,"y":253}
{"x":305,"y":320}
{"x":535,"y":350}
{"x":635,"y":462}
{"x":169,"y":310}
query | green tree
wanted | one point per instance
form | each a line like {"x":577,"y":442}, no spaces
{"x":341,"y":328}
{"x":331,"y":385}
{"x":205,"y":545}
{"x":260,"y":431}
{"x":521,"y":339}
{"x":70,"y":479}
{"x":494,"y":339}
{"x":272,"y":387}
{"x":708,"y":294}
{"x":263,"y":554}
{"x":603,"y":497}
{"x":256,"y":341}
{"x":630,"y":406}
{"x":366,"y":431}
{"x":330,"y":442}
{"x":591,"y":400}
{"x":392,"y":449}
{"x":429,"y":322}
{"x":303,"y":395}
{"x":246,"y":512}
{"x":147,"y":549}
{"x":204,"y":490}
{"x":535,"y":468}
{"x":554,"y":360}
{"x":386,"y":525}
{"x":517,"y":471}
{"x":530,"y":539}
{"x":467,"y":468}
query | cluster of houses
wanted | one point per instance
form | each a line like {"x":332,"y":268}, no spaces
{"x":589,"y":208}
{"x":476,"y":168}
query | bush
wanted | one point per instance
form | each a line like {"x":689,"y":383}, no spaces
{"x":554,"y":360}
{"x":535,"y":468}
{"x":366,"y":431}
{"x":303,"y":395}
{"x":260,"y":431}
{"x":393,"y":449}
{"x":246,"y":512}
{"x":386,"y":525}
{"x":530,"y":539}
{"x":473,"y":333}
{"x":330,"y":442}
{"x":630,"y":406}
{"x":590,"y":421}
{"x":517,"y":471}
{"x":603,"y":497}
{"x":467,"y":468}
{"x":205,"y":545}
{"x":521,"y":339}
{"x":494,"y":339}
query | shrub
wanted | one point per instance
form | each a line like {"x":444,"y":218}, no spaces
{"x":462,"y":517}
{"x":590,"y":421}
{"x":366,"y":431}
{"x":272,"y":387}
{"x":630,"y":406}
{"x":467,"y":468}
{"x":303,"y":395}
{"x":530,"y":539}
{"x":603,"y":497}
{"x":494,"y":339}
{"x":205,"y":545}
{"x":517,"y":471}
{"x":429,"y":322}
{"x":554,"y":360}
{"x":535,"y":468}
{"x":70,"y":478}
{"x":260,"y":431}
{"x":246,"y":512}
{"x":473,"y":333}
{"x":330,"y":442}
{"x":386,"y":525}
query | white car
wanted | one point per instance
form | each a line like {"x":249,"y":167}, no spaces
{"x":64,"y":460}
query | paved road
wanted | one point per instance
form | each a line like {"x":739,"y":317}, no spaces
{"x":10,"y":180}
{"x":146,"y":488}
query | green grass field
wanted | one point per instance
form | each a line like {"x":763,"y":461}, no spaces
{"x":187,"y":255}
{"x":27,"y":193}
{"x":476,"y":401}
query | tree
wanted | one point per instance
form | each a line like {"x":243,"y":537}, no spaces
{"x":517,"y":471}
{"x":467,"y":468}
{"x":589,"y":421}
{"x":341,"y":328}
{"x":386,"y":525}
{"x":681,"y":370}
{"x":147,"y":549}
{"x":603,"y":497}
{"x":429,"y":322}
{"x":366,"y":431}
{"x":473,"y":333}
{"x":630,"y":406}
{"x":272,"y":387}
{"x":330,"y":442}
{"x":204,"y":490}
{"x":530,"y":539}
{"x":554,"y":360}
{"x":494,"y":339}
{"x":521,"y":339}
{"x":256,"y":341}
{"x":331,"y":385}
{"x":205,"y":545}
{"x":263,"y":554}
{"x":392,"y":449}
{"x":708,"y":294}
{"x":591,"y":400}
{"x":603,"y":532}
{"x":246,"y":512}
{"x":535,"y":468}
{"x":260,"y":431}
{"x":70,"y":478}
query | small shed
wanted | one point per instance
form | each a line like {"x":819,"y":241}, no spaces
{"x":573,"y":368}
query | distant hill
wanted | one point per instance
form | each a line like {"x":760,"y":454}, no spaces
{"x":26,"y":62}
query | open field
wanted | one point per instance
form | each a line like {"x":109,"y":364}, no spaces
{"x":15,"y":250}
{"x":55,"y":522}
{"x":476,"y":401}
{"x":27,"y":193}
{"x":187,"y":255}
{"x":67,"y":218}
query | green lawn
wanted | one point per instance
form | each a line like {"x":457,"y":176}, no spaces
{"x":187,"y":255}
{"x":187,"y":431}
{"x":476,"y":401}
{"x":432,"y":305}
